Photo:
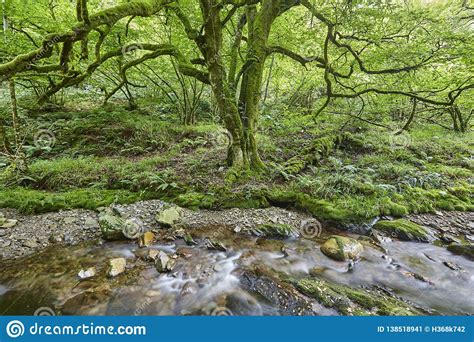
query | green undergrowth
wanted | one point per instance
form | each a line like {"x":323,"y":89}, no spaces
{"x":36,"y":202}
{"x":118,"y":156}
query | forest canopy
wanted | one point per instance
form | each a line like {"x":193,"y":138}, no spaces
{"x":350,"y":56}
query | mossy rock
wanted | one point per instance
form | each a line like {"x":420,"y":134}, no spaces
{"x":169,"y":216}
{"x":275,"y":230}
{"x":464,"y":250}
{"x":341,"y":248}
{"x":354,"y":301}
{"x":403,"y":230}
{"x":111,"y":227}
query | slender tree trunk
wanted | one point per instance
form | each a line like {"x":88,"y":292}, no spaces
{"x":3,"y":136}
{"x":14,"y":107}
{"x":259,"y":25}
{"x":455,"y":117}
{"x":225,"y":99}
{"x":267,"y":85}
{"x":406,"y":127}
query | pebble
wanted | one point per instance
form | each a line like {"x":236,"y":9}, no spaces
{"x":30,"y":244}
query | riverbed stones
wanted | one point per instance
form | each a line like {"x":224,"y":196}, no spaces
{"x":146,"y":239}
{"x":116,"y":267}
{"x":31,"y":243}
{"x":132,"y":228}
{"x":403,"y":230}
{"x":7,"y":223}
{"x":170,"y":216}
{"x":163,"y":262}
{"x":342,"y":248}
{"x":88,"y":273}
{"x":153,"y":254}
{"x":214,"y":245}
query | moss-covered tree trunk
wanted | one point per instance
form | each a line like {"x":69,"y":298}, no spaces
{"x":259,"y":25}
{"x":241,"y":120}
{"x":223,"y":93}
{"x":14,"y":108}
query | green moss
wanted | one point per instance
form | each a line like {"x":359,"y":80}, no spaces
{"x":34,"y":201}
{"x":321,"y":209}
{"x":465,"y":250}
{"x":388,"y":207}
{"x":275,"y":230}
{"x":337,"y":177}
{"x":294,"y":165}
{"x":403,"y":229}
{"x":194,"y":200}
{"x":353,"y":301}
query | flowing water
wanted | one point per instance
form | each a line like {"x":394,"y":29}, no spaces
{"x":205,"y":282}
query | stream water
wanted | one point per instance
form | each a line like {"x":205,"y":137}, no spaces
{"x":204,"y":280}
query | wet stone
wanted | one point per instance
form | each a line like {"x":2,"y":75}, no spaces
{"x":147,"y":239}
{"x":116,"y":267}
{"x":86,"y":274}
{"x":342,"y":248}
{"x":163,"y":262}
{"x":169,"y":216}
{"x":30,"y":244}
{"x":8,"y":224}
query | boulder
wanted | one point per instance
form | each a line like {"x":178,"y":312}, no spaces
{"x":111,"y":227}
{"x":403,"y":230}
{"x":163,"y":262}
{"x":116,"y":267}
{"x":169,"y":216}
{"x":341,"y":248}
{"x":132,"y":228}
{"x":90,"y":222}
{"x":69,"y":220}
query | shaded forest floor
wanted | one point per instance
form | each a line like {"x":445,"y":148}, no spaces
{"x":92,"y":158}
